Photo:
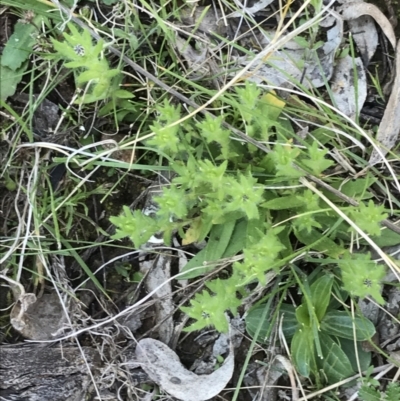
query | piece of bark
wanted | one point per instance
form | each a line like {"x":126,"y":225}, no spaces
{"x":37,"y":373}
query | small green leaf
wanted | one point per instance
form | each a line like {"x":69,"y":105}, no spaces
{"x":138,"y":227}
{"x":335,"y":364}
{"x":302,"y":349}
{"x":340,"y":323}
{"x":367,"y":393}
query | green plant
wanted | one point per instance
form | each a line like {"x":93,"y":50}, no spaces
{"x":369,"y":390}
{"x":217,"y":190}
{"x":322,"y":336}
{"x":14,"y":59}
{"x":90,"y":66}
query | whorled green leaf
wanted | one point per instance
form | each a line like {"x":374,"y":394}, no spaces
{"x":302,"y":350}
{"x":341,"y":323}
{"x":335,"y":364}
{"x":367,"y":393}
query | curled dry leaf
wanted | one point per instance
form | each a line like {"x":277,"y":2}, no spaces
{"x":157,"y":279}
{"x":349,"y":97}
{"x":164,"y":368}
{"x":38,"y":319}
{"x":389,"y":128}
{"x":356,"y":9}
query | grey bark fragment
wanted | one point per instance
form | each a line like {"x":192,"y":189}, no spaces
{"x":35,"y":373}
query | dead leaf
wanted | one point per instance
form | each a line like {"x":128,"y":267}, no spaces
{"x":356,"y":9}
{"x":344,"y":89}
{"x":395,"y":356}
{"x":311,"y":67}
{"x":157,"y":279}
{"x":365,"y":36}
{"x":251,"y":10}
{"x":389,"y":128}
{"x":203,"y":19}
{"x":192,"y":234}
{"x":38,"y":319}
{"x":164,"y":368}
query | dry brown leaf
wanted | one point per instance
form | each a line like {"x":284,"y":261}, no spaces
{"x":354,"y":10}
{"x":365,"y":36}
{"x":389,"y":128}
{"x":349,"y":98}
{"x":38,"y":319}
{"x":157,"y":279}
{"x":251,"y":10}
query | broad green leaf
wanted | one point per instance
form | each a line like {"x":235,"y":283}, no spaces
{"x":315,"y":240}
{"x":10,"y":79}
{"x":258,"y":320}
{"x":220,"y":236}
{"x":284,"y":202}
{"x":340,"y":323}
{"x":362,"y":356}
{"x":335,"y":364}
{"x":356,"y":189}
{"x":306,"y":312}
{"x":321,"y":294}
{"x":302,"y":350}
{"x":289,"y":324}
{"x":387,"y":238}
{"x":302,"y":315}
{"x":254,"y":232}
{"x":238,"y":239}
{"x":20,"y":44}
